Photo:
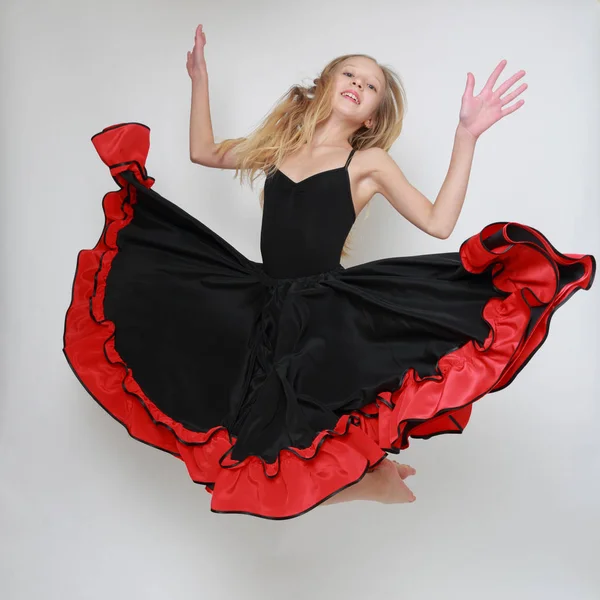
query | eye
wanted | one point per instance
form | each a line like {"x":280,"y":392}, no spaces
{"x":369,"y":84}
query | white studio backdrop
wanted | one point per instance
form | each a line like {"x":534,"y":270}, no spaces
{"x":508,"y":509}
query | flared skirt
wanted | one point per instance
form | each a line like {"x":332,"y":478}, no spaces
{"x":277,"y":393}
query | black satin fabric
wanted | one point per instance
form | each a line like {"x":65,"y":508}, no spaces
{"x":214,"y":338}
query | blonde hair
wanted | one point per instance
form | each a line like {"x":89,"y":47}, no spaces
{"x":293,"y":120}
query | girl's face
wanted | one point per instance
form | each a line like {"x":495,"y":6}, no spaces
{"x":365,"y":79}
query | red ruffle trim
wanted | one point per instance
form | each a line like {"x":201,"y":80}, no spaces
{"x":301,"y":479}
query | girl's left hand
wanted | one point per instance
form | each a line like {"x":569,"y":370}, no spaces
{"x":478,"y":113}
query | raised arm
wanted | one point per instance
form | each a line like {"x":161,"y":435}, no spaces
{"x":202,"y":141}
{"x":435,"y":218}
{"x":477,"y":114}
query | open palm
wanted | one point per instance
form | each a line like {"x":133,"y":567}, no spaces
{"x":478,"y":113}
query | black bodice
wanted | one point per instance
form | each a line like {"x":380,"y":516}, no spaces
{"x":305,"y":223}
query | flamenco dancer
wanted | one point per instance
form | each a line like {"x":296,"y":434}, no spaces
{"x":285,"y":384}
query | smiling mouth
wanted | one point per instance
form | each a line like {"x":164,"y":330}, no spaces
{"x":350,"y":98}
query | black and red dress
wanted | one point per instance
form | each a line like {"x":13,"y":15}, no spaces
{"x":281,"y":383}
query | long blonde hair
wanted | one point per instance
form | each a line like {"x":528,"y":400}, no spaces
{"x":292,"y":122}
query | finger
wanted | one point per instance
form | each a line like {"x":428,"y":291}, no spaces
{"x":470,"y":85}
{"x":511,"y":109}
{"x":514,"y":94}
{"x":509,"y":83}
{"x":494,"y":76}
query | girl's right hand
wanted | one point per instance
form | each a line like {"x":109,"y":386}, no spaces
{"x":196,"y":65}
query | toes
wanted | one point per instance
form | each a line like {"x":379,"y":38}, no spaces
{"x":405,"y":470}
{"x":408,"y":494}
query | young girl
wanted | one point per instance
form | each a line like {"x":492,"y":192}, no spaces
{"x":284,"y":384}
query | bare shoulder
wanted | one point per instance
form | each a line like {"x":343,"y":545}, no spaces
{"x":383,"y":173}
{"x":380,"y":174}
{"x":363,"y":169}
{"x":376,"y":163}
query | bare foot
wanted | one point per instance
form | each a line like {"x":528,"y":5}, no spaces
{"x":404,"y":470}
{"x":390,"y":486}
{"x":383,"y":484}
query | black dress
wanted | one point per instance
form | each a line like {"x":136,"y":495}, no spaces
{"x":283,"y":382}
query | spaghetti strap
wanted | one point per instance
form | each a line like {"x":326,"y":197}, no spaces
{"x":350,"y":158}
